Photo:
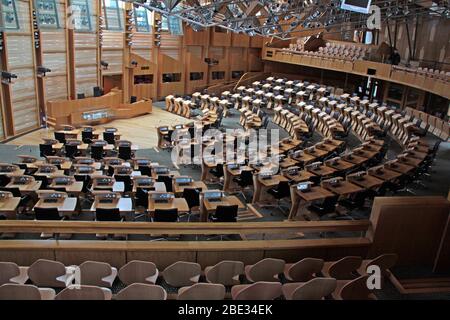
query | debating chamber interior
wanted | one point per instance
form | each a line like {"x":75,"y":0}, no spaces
{"x":224,"y":150}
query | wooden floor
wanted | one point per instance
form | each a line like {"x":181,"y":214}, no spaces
{"x":140,"y":130}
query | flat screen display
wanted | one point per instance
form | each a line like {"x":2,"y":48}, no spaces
{"x":361,"y":6}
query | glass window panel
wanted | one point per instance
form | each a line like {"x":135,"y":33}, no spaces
{"x":47,"y":14}
{"x":9,"y":15}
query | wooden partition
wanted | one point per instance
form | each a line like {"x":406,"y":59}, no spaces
{"x":118,"y":253}
{"x":71,"y":111}
{"x":412,"y":227}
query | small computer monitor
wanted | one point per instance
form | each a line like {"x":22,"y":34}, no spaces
{"x":304,"y":186}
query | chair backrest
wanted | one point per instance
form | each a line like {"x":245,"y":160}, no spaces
{"x":109,"y":137}
{"x":11,"y":291}
{"x":226,"y":213}
{"x":43,"y":179}
{"x":138,"y":272}
{"x":165,"y":215}
{"x":356,"y":289}
{"x":141,"y":291}
{"x":225,"y":272}
{"x":266,"y":270}
{"x":87,"y":136}
{"x":45,"y":150}
{"x":202,"y":291}
{"x":145,"y":170}
{"x":246,"y":177}
{"x":167,"y":180}
{"x":315,"y":289}
{"x":93,"y":273}
{"x":345,"y":268}
{"x":70,"y":150}
{"x":84,"y":292}
{"x":384,"y":261}
{"x":305,"y":269}
{"x":46,"y":213}
{"x":44,"y":273}
{"x":102,"y":214}
{"x":260,"y":291}
{"x":8,"y":270}
{"x":125,"y":153}
{"x":4,"y":180}
{"x":284,"y":189}
{"x":192,"y":197}
{"x":60,"y":136}
{"x":219,"y":169}
{"x":97,"y":152}
{"x":182,"y":273}
{"x":127,"y":181}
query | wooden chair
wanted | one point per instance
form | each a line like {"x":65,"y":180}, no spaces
{"x":304,"y":270}
{"x":142,"y":291}
{"x":343,"y":269}
{"x":225,"y":272}
{"x":265,"y":270}
{"x":11,"y":291}
{"x":95,"y":273}
{"x":384,"y":261}
{"x":12,"y":273}
{"x":202,"y":291}
{"x":182,"y":273}
{"x":138,"y":272}
{"x":48,"y":273}
{"x":257,"y":291}
{"x":314,"y":289}
{"x":353,"y":290}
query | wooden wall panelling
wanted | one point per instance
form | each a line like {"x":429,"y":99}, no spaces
{"x":21,"y":61}
{"x":142,"y":51}
{"x":54,"y":57}
{"x":240,"y":40}
{"x":220,"y":38}
{"x":221,"y":54}
{"x":86,"y":55}
{"x":112,"y":52}
{"x":193,"y":38}
{"x":412,"y":227}
{"x":431,"y":43}
{"x":256,"y":42}
{"x":237,"y":62}
{"x":7,"y":117}
{"x":170,"y":60}
{"x":255,"y":62}
{"x":195,"y":62}
{"x":170,"y":63}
